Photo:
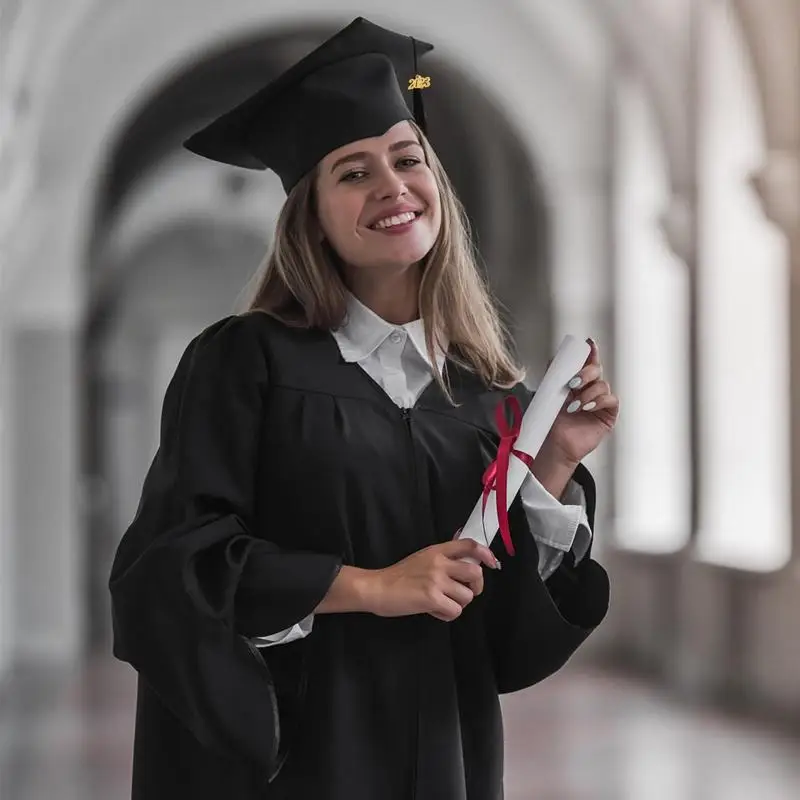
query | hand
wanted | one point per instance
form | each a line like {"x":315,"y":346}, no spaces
{"x":431,"y":581}
{"x":576,"y":434}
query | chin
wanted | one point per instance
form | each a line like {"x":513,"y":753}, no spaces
{"x":392,"y":253}
{"x":408,"y":251}
{"x":404,"y":260}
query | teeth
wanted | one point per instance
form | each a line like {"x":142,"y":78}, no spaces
{"x":401,"y":219}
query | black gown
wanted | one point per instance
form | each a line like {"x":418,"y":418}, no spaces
{"x":278,"y":463}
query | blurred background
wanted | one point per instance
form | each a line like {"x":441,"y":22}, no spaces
{"x":632,"y":171}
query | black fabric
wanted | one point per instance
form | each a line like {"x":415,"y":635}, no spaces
{"x":278,"y":463}
{"x":353,"y":86}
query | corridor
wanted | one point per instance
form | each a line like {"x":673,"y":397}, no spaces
{"x":630,"y":172}
{"x":582,"y":735}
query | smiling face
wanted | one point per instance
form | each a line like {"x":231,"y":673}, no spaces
{"x":366,"y":188}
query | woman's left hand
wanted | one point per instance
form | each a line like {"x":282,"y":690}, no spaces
{"x":577,"y":433}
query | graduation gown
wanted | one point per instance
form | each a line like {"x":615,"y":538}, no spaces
{"x":278,"y":463}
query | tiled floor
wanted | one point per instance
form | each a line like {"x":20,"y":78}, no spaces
{"x":579,"y":736}
{"x":595,"y":736}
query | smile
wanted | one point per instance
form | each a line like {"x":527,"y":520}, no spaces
{"x":397,"y":224}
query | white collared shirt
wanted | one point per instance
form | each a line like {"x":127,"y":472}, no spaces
{"x":395,"y":357}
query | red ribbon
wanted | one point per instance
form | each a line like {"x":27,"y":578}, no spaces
{"x":496,"y":475}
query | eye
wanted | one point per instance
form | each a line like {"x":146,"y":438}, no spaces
{"x":349,"y":177}
{"x":352,"y":174}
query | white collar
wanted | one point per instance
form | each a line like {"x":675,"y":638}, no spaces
{"x":363,"y":331}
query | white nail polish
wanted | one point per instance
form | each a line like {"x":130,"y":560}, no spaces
{"x":575,"y":382}
{"x":573,"y":406}
{"x":589,"y":406}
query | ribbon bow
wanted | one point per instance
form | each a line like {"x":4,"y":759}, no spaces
{"x":496,"y":474}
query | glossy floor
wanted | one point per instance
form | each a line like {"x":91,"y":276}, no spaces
{"x":579,"y":736}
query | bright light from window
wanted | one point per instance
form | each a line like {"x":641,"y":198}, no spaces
{"x":651,"y":438}
{"x":744,"y":382}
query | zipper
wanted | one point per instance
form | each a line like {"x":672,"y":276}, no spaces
{"x":405,"y":414}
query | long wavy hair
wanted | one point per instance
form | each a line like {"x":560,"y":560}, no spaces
{"x":300,"y":283}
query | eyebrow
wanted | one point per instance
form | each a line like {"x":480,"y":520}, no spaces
{"x":362,"y":154}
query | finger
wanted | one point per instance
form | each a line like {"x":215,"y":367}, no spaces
{"x":593,"y":392}
{"x":458,"y":592}
{"x":469,"y":574}
{"x":594,"y":352}
{"x":586,"y":376}
{"x":469,"y":547}
{"x":446,"y":609}
{"x":464,"y":571}
{"x":606,"y":401}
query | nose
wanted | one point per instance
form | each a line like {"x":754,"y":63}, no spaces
{"x":389,"y":184}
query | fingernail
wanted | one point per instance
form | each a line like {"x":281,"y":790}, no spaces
{"x":573,"y":406}
{"x":575,"y":382}
{"x":497,"y":564}
{"x":589,"y":406}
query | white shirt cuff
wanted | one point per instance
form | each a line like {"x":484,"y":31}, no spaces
{"x":558,"y":526}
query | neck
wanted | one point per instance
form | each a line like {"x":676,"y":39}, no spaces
{"x":393,"y":297}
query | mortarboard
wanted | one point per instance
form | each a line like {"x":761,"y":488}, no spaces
{"x":355,"y":85}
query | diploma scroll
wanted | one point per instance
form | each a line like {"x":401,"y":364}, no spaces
{"x":537,"y":421}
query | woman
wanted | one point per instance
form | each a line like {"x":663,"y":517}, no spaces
{"x":302,"y":621}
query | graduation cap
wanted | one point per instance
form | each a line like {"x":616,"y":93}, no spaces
{"x":353,"y":86}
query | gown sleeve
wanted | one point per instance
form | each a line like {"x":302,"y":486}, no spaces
{"x":533,"y":625}
{"x":192,"y":579}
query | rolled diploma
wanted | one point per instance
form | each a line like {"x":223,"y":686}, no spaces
{"x":536,"y":424}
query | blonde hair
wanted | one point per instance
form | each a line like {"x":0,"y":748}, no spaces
{"x":300,"y":283}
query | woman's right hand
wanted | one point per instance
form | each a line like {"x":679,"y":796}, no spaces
{"x":431,"y":581}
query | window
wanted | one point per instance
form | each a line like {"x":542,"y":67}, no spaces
{"x":651,"y":301}
{"x":743,"y":320}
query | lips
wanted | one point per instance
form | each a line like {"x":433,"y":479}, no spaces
{"x":395,"y":211}
{"x":374,"y":226}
